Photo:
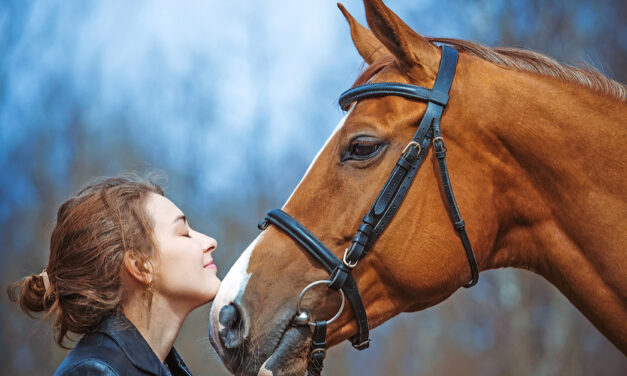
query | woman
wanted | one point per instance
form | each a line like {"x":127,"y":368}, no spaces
{"x":125,"y":270}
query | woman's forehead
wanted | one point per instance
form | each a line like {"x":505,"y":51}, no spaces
{"x":162,"y":210}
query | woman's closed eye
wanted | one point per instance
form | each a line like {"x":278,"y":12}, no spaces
{"x":184,"y":231}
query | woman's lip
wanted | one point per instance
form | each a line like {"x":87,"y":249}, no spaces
{"x":210,"y":265}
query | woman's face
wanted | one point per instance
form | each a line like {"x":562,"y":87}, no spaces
{"x":184,"y":272}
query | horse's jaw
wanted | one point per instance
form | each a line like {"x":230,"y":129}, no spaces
{"x":290,"y":355}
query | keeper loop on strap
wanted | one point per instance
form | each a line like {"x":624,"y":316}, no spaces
{"x":361,"y":238}
{"x":362,"y":346}
{"x":318,"y":350}
{"x":320,"y":335}
{"x":338,"y":276}
{"x":263,"y":225}
{"x":459,"y":225}
{"x":438,"y":97}
{"x":365,"y":227}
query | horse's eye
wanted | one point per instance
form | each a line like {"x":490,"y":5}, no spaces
{"x":361,"y":149}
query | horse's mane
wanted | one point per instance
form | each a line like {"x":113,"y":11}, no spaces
{"x":523,"y":60}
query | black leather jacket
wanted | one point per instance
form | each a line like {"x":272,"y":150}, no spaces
{"x":117,"y":348}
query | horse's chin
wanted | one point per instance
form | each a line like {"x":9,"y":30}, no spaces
{"x":290,"y":355}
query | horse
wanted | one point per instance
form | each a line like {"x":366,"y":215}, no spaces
{"x":536,"y":155}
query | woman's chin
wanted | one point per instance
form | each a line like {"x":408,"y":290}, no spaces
{"x":212,"y":286}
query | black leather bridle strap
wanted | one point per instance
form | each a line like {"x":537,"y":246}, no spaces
{"x":302,"y":236}
{"x":379,"y":89}
{"x":331,"y":263}
{"x":318,"y":349}
{"x":456,"y":218}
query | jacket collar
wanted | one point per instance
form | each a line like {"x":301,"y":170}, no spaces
{"x":137,"y":350}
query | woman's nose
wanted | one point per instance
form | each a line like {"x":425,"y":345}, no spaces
{"x":210,"y":244}
{"x":207,"y":243}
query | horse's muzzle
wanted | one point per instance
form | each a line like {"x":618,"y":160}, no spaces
{"x":231,"y":336}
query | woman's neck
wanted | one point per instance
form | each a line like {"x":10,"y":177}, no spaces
{"x":159,"y":324}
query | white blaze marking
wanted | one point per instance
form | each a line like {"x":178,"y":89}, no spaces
{"x":337,"y":128}
{"x":232,"y":286}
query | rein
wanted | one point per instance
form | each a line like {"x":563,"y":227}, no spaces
{"x":383,"y":209}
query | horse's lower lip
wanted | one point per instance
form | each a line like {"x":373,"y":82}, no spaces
{"x":288,"y":352}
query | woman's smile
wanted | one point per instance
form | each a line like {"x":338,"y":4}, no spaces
{"x":210,"y":265}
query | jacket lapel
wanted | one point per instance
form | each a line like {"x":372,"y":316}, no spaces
{"x":137,"y":350}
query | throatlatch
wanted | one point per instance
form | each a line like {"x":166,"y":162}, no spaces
{"x":385,"y":206}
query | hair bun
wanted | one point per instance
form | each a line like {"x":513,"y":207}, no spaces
{"x":30,"y":292}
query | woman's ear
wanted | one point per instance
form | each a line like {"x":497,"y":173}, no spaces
{"x":140,"y":270}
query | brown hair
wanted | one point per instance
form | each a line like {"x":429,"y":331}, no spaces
{"x":94,"y":231}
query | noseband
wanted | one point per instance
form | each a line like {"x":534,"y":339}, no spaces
{"x":385,"y":206}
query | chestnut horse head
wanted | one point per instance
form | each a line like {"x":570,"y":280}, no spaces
{"x":536,"y":152}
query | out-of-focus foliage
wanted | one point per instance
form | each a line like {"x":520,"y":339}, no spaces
{"x":231,"y":100}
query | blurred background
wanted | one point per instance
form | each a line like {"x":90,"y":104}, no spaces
{"x":231,"y":100}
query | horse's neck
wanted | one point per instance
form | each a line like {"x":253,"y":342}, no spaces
{"x":567,"y":153}
{"x":559,"y":181}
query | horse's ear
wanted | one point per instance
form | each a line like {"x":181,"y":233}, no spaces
{"x":415,"y":55}
{"x":366,"y":43}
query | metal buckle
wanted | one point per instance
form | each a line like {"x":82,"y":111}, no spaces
{"x":320,"y":350}
{"x":299,"y":319}
{"x":364,"y":345}
{"x":348,"y":264}
{"x":414,"y":144}
{"x":436,"y":139}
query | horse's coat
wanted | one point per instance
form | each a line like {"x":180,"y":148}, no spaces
{"x":538,"y":166}
{"x":339,"y":125}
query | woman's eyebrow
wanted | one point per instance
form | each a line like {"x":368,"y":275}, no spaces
{"x":182,"y":216}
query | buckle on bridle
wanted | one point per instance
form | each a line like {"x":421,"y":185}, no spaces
{"x":436,"y":139}
{"x":318,"y":350}
{"x":414,"y":144}
{"x":347,"y":263}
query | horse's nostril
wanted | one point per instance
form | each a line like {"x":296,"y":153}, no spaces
{"x":229,"y":316}
{"x":231,"y":334}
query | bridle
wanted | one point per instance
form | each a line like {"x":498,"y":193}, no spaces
{"x":383,"y":209}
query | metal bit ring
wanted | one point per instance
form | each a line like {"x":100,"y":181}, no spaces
{"x":299,"y":310}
